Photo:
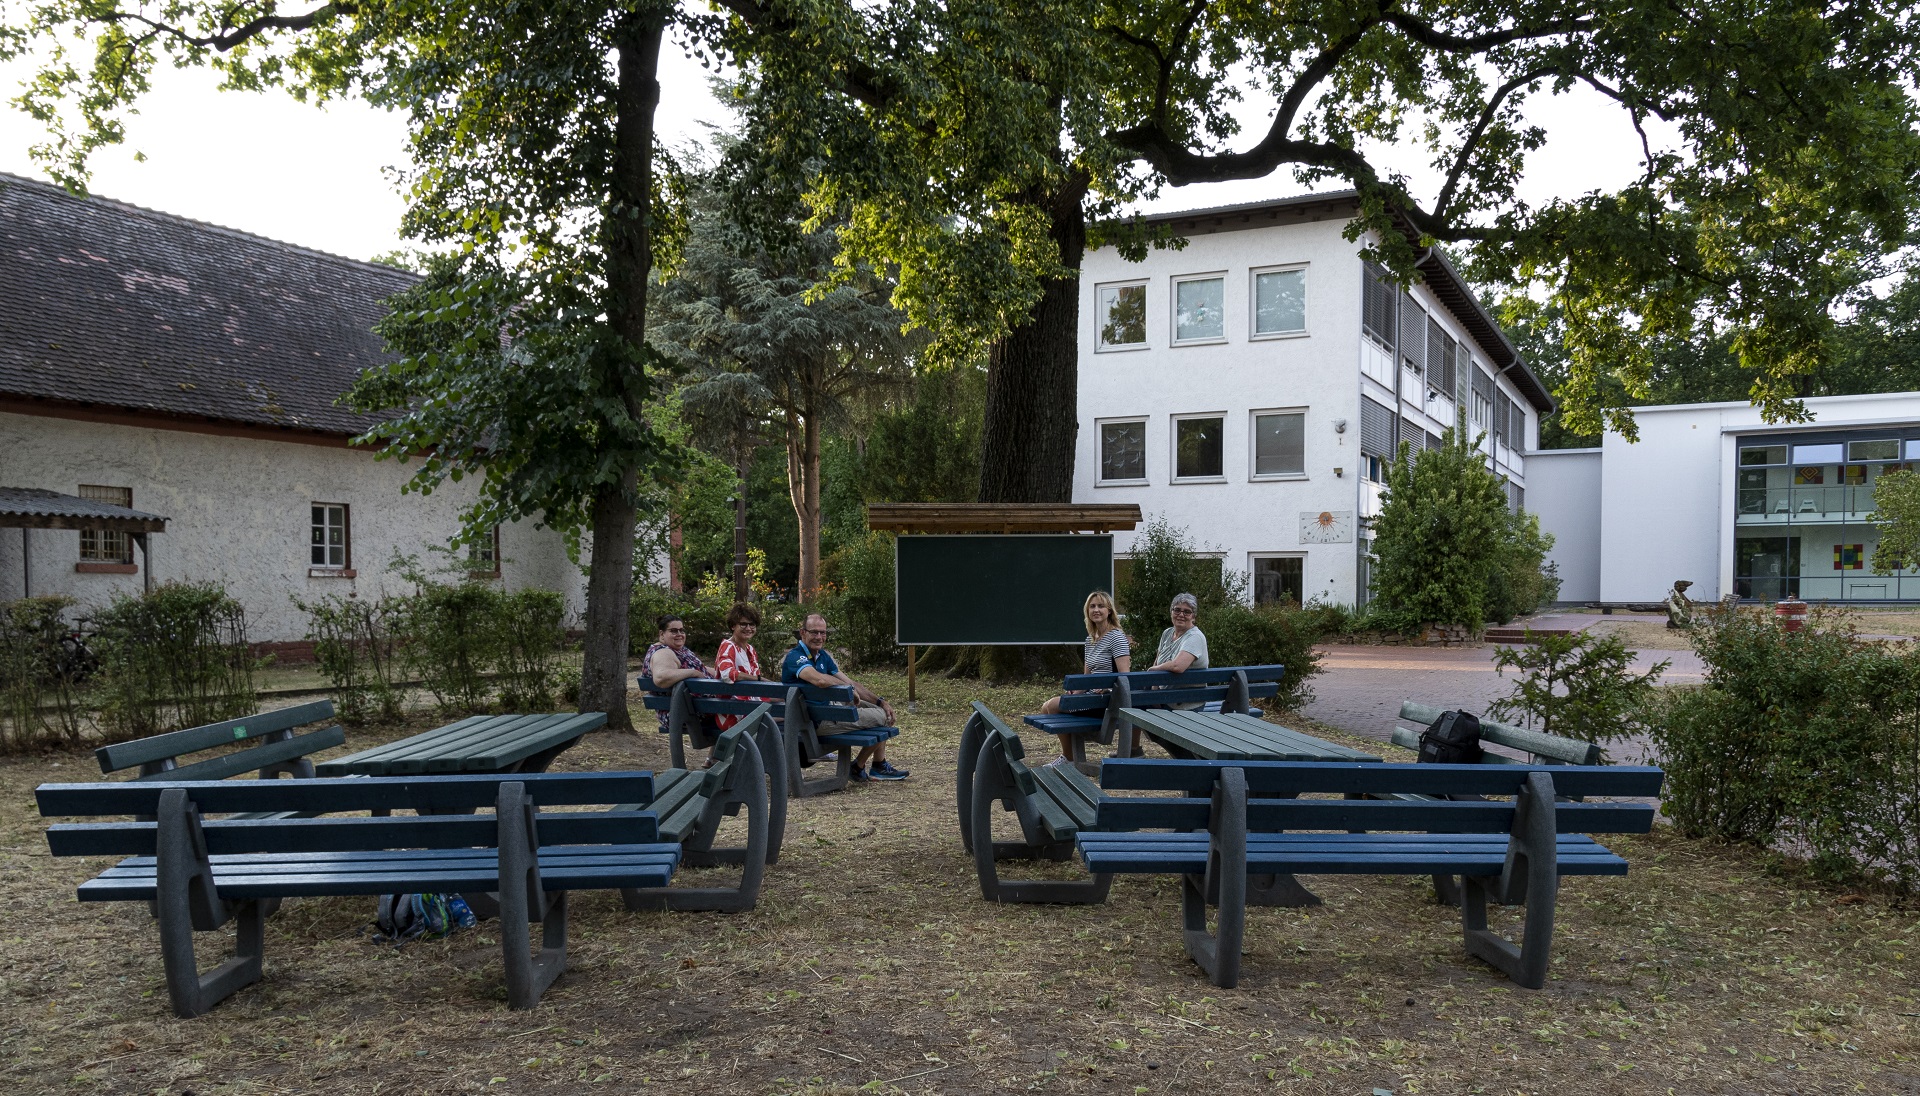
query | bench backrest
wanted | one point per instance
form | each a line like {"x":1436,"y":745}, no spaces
{"x":1543,"y":748}
{"x":1201,"y":694}
{"x":708,"y":697}
{"x":163,"y":748}
{"x":1006,"y":741}
{"x":341,"y":834}
{"x":1154,"y":679}
{"x":416,"y":793}
{"x":1269,"y":779}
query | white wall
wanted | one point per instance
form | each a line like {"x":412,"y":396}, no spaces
{"x":1321,"y":372}
{"x":238,"y":513}
{"x":1667,"y":501}
{"x":1564,"y":491}
{"x":1317,"y":372}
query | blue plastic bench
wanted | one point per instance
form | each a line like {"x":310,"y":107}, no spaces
{"x":1090,"y":703}
{"x":797,"y":711}
{"x":1235,"y":827}
{"x":204,"y":874}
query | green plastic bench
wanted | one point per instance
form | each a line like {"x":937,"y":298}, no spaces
{"x":202,"y":875}
{"x":1226,"y":825}
{"x":690,"y":805}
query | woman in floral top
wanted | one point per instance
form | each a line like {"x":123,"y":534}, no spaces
{"x":670,"y":661}
{"x":737,"y":660}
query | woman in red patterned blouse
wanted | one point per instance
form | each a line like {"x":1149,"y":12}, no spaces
{"x":737,"y":660}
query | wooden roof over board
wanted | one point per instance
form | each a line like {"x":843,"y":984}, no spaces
{"x":1001,"y":517}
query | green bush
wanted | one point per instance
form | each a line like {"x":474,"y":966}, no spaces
{"x":529,"y":623}
{"x":1265,"y":635}
{"x":450,"y":640}
{"x":1811,"y":739}
{"x":174,"y":657}
{"x":1576,"y":686}
{"x":1448,"y":550}
{"x":358,"y":651}
{"x":1166,"y":562}
{"x":40,"y":681}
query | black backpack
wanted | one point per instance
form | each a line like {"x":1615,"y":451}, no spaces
{"x":1454,"y":739}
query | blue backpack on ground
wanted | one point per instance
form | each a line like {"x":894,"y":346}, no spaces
{"x":404,"y":917}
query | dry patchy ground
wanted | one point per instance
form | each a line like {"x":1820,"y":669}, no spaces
{"x":872,"y":965}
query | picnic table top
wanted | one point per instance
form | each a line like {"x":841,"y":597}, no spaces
{"x":1235,"y":736}
{"x":477,"y":744}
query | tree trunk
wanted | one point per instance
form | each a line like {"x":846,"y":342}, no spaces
{"x":803,"y":481}
{"x":629,"y":241}
{"x":743,"y":465}
{"x":1026,"y":451}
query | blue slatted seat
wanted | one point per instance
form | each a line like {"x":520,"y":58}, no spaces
{"x":1231,"y":822}
{"x":1090,"y":703}
{"x":797,"y":711}
{"x":202,"y":875}
{"x":690,"y":805}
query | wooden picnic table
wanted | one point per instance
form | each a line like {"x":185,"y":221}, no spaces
{"x":477,"y":744}
{"x":1233,"y":736}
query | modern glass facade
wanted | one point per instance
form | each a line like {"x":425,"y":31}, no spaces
{"x":1800,"y":514}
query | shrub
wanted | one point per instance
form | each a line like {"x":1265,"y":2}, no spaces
{"x":357,"y":648}
{"x":1261,"y":636}
{"x":450,"y":639}
{"x":529,"y":623}
{"x":1576,"y":686}
{"x":1810,"y":738}
{"x":39,"y":675}
{"x":174,"y":657}
{"x":1448,"y":550}
{"x":1165,"y":562}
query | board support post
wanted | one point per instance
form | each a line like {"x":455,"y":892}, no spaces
{"x":913,"y":681}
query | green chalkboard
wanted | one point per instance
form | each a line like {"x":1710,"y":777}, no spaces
{"x":983,"y":588}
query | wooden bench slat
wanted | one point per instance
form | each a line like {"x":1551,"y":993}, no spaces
{"x":427,"y":793}
{"x":127,"y":755}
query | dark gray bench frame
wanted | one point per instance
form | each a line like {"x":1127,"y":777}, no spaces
{"x":691,"y":805}
{"x":794,"y":737}
{"x":181,"y":862}
{"x":1534,"y":856}
{"x":1052,"y":805}
{"x":1541,"y":749}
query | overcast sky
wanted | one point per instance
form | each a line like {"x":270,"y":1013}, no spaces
{"x":266,"y":164}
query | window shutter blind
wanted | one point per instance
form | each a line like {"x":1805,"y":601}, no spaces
{"x":1413,"y":343}
{"x":1376,"y":429}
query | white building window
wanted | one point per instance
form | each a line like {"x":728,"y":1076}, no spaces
{"x":329,"y":541}
{"x":1200,"y":309}
{"x":483,"y":555}
{"x":1123,"y":451}
{"x":1123,"y":316}
{"x":1279,"y":302}
{"x":1373,"y":468}
{"x":1279,"y":444}
{"x":1199,"y":448}
{"x":1279,"y":579}
{"x":100,"y":546}
{"x":1888,"y":449}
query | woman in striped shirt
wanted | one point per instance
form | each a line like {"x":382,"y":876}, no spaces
{"x":737,"y":660}
{"x":1106,"y":652}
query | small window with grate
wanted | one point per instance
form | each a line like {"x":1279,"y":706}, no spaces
{"x":98,"y":545}
{"x":329,"y":536}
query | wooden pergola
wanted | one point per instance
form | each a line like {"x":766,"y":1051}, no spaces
{"x":1001,"y":517}
{"x":28,"y":508}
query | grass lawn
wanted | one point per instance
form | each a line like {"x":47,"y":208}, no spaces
{"x":872,"y":965}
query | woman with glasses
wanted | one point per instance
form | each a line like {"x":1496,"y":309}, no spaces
{"x":1106,"y":651}
{"x":1182,"y":646}
{"x":737,"y":660}
{"x":670,"y":661}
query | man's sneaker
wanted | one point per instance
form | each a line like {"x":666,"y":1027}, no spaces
{"x":884,"y":770}
{"x":857,"y":774}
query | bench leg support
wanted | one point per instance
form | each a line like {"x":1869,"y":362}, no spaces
{"x":1532,"y":871}
{"x":1218,"y":952}
{"x":523,"y":900}
{"x":747,"y":788}
{"x":185,"y":903}
{"x":993,"y":786}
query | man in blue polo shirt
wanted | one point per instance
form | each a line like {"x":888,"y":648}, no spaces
{"x":810,"y":664}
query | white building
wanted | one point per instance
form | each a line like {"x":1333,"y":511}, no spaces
{"x":1251,"y":386}
{"x":1713,"y":495}
{"x":191,"y":371}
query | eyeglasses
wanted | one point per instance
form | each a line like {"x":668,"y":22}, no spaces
{"x":1183,"y":611}
{"x":676,"y":631}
